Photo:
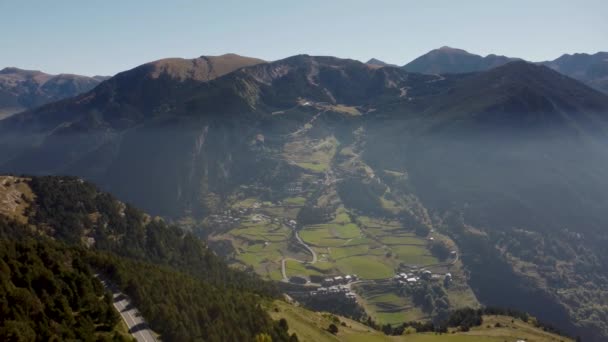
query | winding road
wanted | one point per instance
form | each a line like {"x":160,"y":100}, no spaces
{"x":314,"y":254}
{"x":136,"y":324}
{"x":284,"y":260}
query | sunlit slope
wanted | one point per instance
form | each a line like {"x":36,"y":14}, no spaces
{"x":312,"y":326}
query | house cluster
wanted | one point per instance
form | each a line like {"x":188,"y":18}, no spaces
{"x":335,"y":291}
{"x":294,"y":188}
{"x":291,"y":223}
{"x":403,"y":279}
{"x":339,"y":280}
{"x":417,"y":275}
{"x":225,"y":218}
{"x":257,"y":218}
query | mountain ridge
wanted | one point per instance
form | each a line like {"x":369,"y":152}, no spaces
{"x":591,"y":69}
{"x":22,"y":89}
{"x":451,"y":60}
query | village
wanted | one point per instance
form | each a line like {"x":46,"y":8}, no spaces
{"x":337,"y":287}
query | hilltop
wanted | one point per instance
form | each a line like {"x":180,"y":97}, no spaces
{"x":447,"y":60}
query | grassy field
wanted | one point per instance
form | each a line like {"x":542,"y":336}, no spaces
{"x":366,"y":267}
{"x":245,"y":203}
{"x":261,"y":246}
{"x":280,"y":211}
{"x":311,"y":327}
{"x":312,"y":155}
{"x":387,"y":306}
{"x":370,"y":247}
{"x":298,"y":201}
{"x":329,"y":235}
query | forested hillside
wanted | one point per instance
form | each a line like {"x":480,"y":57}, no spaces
{"x":48,"y":293}
{"x":184,"y":290}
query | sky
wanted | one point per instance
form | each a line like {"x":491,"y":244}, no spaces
{"x":109,"y":36}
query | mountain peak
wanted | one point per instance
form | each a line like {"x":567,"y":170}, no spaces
{"x":378,"y":63}
{"x":203,"y":68}
{"x":449,"y":49}
{"x":15,"y":70}
{"x":451,"y":60}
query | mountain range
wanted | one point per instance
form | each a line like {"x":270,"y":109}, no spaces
{"x":587,"y":68}
{"x":503,"y":157}
{"x":25,"y":89}
{"x":590,"y":69}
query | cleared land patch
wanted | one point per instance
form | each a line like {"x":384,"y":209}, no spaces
{"x":15,"y":196}
{"x":312,"y":155}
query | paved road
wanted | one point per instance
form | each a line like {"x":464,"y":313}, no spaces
{"x":135,"y":322}
{"x":284,"y":260}
{"x":314,"y":254}
{"x":314,"y":257}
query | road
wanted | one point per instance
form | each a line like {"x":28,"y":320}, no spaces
{"x":284,"y":260}
{"x":314,"y":254}
{"x":135,"y":322}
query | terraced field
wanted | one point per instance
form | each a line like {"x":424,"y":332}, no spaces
{"x":370,"y":248}
{"x":375,"y":249}
{"x":387,"y":306}
{"x":309,"y":154}
{"x":260,"y":246}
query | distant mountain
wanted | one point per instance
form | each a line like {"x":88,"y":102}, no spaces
{"x":525,"y":97}
{"x":378,"y":63}
{"x":136,"y":120}
{"x":591,"y":69}
{"x":25,"y":89}
{"x":204,"y":68}
{"x":451,"y":60}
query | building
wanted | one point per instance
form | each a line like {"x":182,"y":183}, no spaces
{"x":294,"y":188}
{"x":327,"y":281}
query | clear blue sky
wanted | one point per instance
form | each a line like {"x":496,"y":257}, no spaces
{"x":107,"y":36}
